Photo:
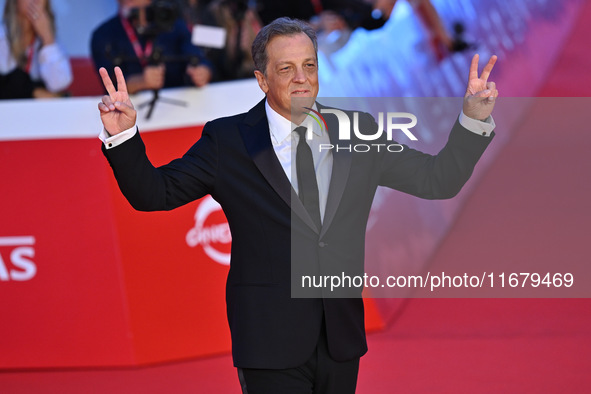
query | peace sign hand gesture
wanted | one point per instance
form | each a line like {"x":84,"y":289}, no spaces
{"x":117,"y":111}
{"x":481,"y":95}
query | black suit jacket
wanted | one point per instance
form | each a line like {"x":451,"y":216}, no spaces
{"x":274,"y":241}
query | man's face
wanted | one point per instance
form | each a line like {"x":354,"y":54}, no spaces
{"x":292,"y":72}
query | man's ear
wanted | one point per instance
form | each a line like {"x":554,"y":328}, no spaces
{"x":262,"y":81}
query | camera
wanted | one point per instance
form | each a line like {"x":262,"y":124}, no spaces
{"x":160,"y":17}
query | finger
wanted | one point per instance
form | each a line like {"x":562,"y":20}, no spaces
{"x":121,"y":85}
{"x":103,"y":108}
{"x":108,"y":102}
{"x":32,"y":15}
{"x":107,"y":81}
{"x":126,"y":109}
{"x":493,"y":96}
{"x":488,"y":68}
{"x":491,"y":86}
{"x":107,"y":99}
{"x":483,"y":93}
{"x":33,"y":10}
{"x":474,"y":68}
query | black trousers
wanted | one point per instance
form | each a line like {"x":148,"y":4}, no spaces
{"x":319,"y":375}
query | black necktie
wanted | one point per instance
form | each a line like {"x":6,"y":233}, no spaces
{"x":307,"y":183}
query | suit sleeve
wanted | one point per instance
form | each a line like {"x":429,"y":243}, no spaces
{"x":179,"y":182}
{"x":438,"y":176}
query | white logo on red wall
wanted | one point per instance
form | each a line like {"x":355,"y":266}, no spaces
{"x":16,"y":254}
{"x":211,"y":231}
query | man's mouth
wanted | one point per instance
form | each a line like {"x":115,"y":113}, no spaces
{"x":300,"y":92}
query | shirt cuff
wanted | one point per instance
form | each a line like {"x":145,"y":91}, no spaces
{"x":117,"y":139}
{"x":484,"y":128}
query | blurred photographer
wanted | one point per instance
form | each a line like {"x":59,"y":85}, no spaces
{"x":152,"y":45}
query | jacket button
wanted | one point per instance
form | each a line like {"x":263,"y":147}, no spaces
{"x":321,"y":244}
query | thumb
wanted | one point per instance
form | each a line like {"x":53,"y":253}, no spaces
{"x":483,"y":94}
{"x":126,"y":109}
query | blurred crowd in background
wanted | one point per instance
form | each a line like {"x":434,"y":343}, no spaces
{"x":170,"y":43}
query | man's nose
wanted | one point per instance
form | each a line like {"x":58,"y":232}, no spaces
{"x":299,"y":75}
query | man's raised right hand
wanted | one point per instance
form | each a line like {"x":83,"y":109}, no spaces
{"x":117,"y":111}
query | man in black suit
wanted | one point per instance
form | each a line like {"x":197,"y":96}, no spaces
{"x":283,"y":225}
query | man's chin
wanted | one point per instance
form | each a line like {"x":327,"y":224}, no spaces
{"x":301,"y":103}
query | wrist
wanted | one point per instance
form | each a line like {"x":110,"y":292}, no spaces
{"x":47,"y":38}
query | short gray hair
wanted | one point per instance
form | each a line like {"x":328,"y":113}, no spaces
{"x":279,"y":27}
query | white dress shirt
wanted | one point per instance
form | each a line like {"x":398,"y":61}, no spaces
{"x":283,"y":138}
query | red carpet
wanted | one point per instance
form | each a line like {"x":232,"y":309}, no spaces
{"x":456,"y":345}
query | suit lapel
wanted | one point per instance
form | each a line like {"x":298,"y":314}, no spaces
{"x":341,"y":165}
{"x":257,"y":139}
